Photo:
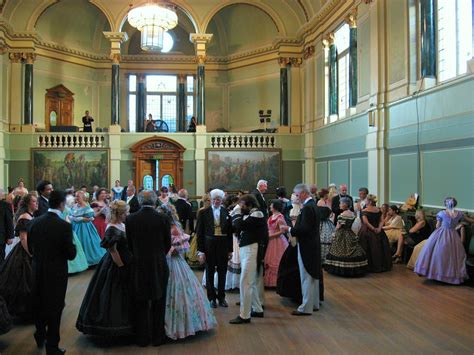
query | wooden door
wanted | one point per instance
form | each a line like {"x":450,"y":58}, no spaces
{"x":146,"y":168}
{"x":167,"y":169}
{"x":66,"y":111}
{"x":52,"y":112}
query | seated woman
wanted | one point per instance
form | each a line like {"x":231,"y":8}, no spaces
{"x":106,"y":308}
{"x":16,"y":274}
{"x":346,"y":257}
{"x":420,"y":231}
{"x":373,"y":239}
{"x":277,"y":244}
{"x":394,"y":228}
{"x":443,"y":257}
{"x":187,"y":308}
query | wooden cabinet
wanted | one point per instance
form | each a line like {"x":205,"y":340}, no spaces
{"x":59,"y":107}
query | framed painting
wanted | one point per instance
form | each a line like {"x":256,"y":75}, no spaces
{"x":234,"y":169}
{"x":71,"y":167}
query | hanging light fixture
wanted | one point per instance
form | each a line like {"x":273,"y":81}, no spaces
{"x":152,"y":20}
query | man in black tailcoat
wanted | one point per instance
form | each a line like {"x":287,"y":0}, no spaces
{"x":185,"y":211}
{"x":214,"y":233}
{"x":50,"y":241}
{"x":149,"y":240}
{"x":306,"y":231}
{"x":44,"y":189}
{"x":262,"y":186}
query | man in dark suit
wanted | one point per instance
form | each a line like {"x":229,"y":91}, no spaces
{"x":306,"y":231}
{"x":149,"y":240}
{"x":124,"y":191}
{"x":336,"y":200}
{"x":262,"y":187}
{"x":6,"y":225}
{"x":50,"y":242}
{"x":214,"y":233}
{"x":44,"y":189}
{"x":132,"y":199}
{"x":185,"y":211}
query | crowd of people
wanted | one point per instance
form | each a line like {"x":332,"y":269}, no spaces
{"x":143,"y":245}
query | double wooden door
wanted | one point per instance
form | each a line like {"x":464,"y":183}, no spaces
{"x":59,"y":107}
{"x":154,"y":174}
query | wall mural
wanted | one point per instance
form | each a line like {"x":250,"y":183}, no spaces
{"x":234,"y":170}
{"x":66,"y":168}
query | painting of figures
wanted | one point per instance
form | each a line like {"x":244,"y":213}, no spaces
{"x":234,"y":170}
{"x":66,"y":168}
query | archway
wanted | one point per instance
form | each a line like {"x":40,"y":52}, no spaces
{"x":158,"y":162}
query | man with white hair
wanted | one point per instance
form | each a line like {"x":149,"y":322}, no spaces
{"x":262,"y":186}
{"x":214,"y":233}
{"x":337,"y":199}
{"x":306,"y":231}
{"x":185,"y":211}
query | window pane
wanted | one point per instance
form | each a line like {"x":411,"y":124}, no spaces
{"x":132,"y":112}
{"x":132,"y":83}
{"x":446,"y":39}
{"x":326,"y":84}
{"x":189,"y":107}
{"x":343,"y":80}
{"x":161,"y":83}
{"x":169,"y":111}
{"x":342,"y":38}
{"x":153,"y":106}
{"x":464,"y":34}
{"x":190,"y":83}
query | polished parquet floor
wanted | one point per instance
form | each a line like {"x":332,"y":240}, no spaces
{"x":395,"y":312}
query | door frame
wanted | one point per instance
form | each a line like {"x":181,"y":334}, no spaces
{"x":158,"y":148}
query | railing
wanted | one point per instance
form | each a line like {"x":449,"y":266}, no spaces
{"x":71,"y":140}
{"x":242,"y":141}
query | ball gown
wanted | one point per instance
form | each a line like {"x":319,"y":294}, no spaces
{"x":79,"y":263}
{"x":107,"y":308}
{"x":275,"y":249}
{"x":187,"y":308}
{"x":376,"y":246}
{"x":326,"y":231}
{"x":87,"y":233}
{"x":5,"y":318}
{"x":16,"y":277}
{"x":443,"y":257}
{"x":346,"y":256}
{"x":232,"y":278}
{"x":394,"y":234}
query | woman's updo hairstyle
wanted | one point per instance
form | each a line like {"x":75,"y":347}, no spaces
{"x":117,"y":211}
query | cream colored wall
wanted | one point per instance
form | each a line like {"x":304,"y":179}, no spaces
{"x":91,"y":88}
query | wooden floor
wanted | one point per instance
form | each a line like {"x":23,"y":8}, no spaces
{"x":395,"y":312}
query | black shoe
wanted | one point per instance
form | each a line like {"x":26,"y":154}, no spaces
{"x":237,"y":303}
{"x":239,"y":320}
{"x":50,"y":350}
{"x":298,"y":313}
{"x":213,"y":304}
{"x":223,"y":303}
{"x":39,"y":340}
{"x":256,"y":314}
{"x":163,"y":341}
{"x":315,"y":309}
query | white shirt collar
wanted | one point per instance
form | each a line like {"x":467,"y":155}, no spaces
{"x":309,"y":198}
{"x":53,"y":210}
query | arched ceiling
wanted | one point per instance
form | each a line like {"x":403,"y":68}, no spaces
{"x":240,"y":27}
{"x":75,"y":24}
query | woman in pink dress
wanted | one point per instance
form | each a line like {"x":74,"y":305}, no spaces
{"x":277,"y":244}
{"x":100,"y":208}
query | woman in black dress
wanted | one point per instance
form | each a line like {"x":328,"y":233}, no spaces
{"x":16,"y":275}
{"x":373,"y":239}
{"x":106,"y":308}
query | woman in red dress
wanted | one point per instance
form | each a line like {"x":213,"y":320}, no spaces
{"x":100,"y":207}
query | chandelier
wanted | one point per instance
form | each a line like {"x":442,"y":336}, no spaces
{"x":152,"y":21}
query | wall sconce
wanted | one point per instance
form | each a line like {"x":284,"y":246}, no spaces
{"x":372,"y":115}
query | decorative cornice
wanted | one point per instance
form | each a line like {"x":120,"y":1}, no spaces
{"x":29,"y":57}
{"x":182,"y":59}
{"x":329,"y":8}
{"x":308,"y":52}
{"x":71,"y":51}
{"x":3,"y":46}
{"x":15,"y":57}
{"x":200,"y":37}
{"x":284,"y":62}
{"x":296,"y":62}
{"x":116,"y":36}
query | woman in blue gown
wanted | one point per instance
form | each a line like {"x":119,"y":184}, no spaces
{"x":79,"y":263}
{"x":82,"y":216}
